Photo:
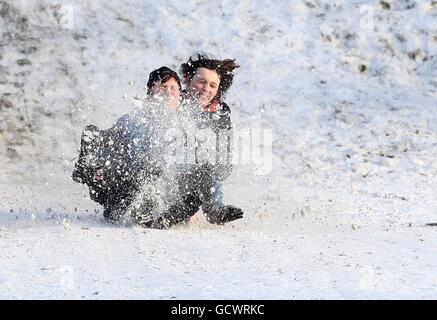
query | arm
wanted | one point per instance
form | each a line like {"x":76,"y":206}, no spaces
{"x":223,"y":126}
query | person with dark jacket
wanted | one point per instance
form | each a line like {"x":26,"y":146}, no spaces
{"x":126,"y":167}
{"x":117,"y":162}
{"x":207,"y":79}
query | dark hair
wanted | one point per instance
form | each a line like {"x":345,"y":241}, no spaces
{"x":224,"y":69}
{"x":161,"y":75}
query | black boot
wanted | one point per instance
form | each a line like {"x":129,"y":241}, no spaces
{"x":223,"y":214}
{"x":216,"y":212}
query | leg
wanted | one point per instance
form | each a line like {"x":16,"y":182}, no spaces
{"x":184,"y":206}
{"x":212,"y":195}
{"x":179,"y":213}
{"x":114,"y":213}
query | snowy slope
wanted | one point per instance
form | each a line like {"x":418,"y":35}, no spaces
{"x":347,"y":88}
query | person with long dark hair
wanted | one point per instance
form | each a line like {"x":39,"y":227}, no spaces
{"x":207,"y":79}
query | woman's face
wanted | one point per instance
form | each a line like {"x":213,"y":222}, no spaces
{"x":204,"y":85}
{"x":169,"y":91}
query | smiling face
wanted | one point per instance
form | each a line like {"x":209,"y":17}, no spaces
{"x":204,"y":86}
{"x":169,"y":91}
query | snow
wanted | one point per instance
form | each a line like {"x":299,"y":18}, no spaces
{"x":341,"y":215}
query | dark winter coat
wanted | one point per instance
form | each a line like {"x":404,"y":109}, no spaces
{"x":125,"y":153}
{"x":138,"y":148}
{"x":209,"y":139}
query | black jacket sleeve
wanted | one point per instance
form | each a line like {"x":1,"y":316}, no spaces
{"x":222,"y":125}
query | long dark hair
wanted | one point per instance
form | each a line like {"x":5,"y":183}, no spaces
{"x":224,"y":68}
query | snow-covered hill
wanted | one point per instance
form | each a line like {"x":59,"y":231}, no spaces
{"x":348,"y":88}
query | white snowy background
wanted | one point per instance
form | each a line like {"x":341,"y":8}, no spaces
{"x":348,"y":89}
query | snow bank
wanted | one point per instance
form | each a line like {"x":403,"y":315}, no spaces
{"x":347,"y":88}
